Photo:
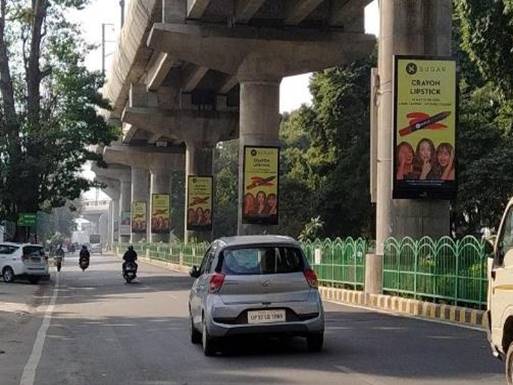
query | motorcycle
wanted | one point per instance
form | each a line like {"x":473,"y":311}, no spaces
{"x":129,"y":271}
{"x":83,"y":262}
{"x":58,"y":263}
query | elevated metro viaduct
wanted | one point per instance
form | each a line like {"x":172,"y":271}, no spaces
{"x":191,"y":73}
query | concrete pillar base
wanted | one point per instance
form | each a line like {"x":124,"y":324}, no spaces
{"x":373,"y":274}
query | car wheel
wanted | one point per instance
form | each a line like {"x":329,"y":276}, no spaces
{"x":33,"y":280}
{"x":207,"y":342}
{"x":509,"y":364}
{"x":8,"y":275}
{"x":196,"y":336}
{"x":315,"y":342}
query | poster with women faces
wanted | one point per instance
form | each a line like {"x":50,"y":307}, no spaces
{"x":199,"y":203}
{"x":425,"y":119}
{"x":261,"y":182}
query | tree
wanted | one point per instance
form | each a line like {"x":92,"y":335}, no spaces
{"x":484,"y":47}
{"x":226,"y":166}
{"x":326,"y":150}
{"x":48,"y":107}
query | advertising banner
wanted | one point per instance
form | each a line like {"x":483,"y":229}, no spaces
{"x":261,"y":181}
{"x":124,"y":227}
{"x":425,"y":119}
{"x":160,"y":213}
{"x":199,"y":203}
{"x":139,"y":217}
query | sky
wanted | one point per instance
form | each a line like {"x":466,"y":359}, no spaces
{"x":293,"y":91}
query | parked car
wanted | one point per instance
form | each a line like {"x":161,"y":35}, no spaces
{"x":24,"y":261}
{"x":255,"y":285}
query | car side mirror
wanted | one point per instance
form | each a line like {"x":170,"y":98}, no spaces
{"x":194,"y":273}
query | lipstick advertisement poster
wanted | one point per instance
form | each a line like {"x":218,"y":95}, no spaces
{"x":199,"y":203}
{"x":160,"y":215}
{"x":261,"y":185}
{"x":425,"y":119}
{"x":139,"y":217}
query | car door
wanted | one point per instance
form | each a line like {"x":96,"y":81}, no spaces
{"x":3,"y":256}
{"x":198,"y":288}
{"x":501,"y":276}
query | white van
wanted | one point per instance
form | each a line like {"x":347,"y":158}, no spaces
{"x":23,"y":260}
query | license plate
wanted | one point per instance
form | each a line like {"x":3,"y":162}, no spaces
{"x":266,"y":316}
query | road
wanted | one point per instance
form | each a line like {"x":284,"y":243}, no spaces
{"x":105,"y":332}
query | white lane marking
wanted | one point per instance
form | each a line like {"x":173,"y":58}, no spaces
{"x":406,"y":315}
{"x":366,"y":379}
{"x":29,"y":372}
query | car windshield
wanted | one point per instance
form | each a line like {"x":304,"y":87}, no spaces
{"x":262,"y":260}
{"x":33,"y":251}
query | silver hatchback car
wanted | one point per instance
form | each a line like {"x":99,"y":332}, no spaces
{"x":255,"y":285}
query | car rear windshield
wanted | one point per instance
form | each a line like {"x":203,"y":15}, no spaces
{"x":33,"y":251}
{"x":262,"y":260}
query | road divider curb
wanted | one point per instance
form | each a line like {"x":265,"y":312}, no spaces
{"x":407,"y":306}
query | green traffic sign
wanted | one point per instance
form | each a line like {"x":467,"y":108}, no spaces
{"x":27,"y":219}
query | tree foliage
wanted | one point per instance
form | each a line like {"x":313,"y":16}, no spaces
{"x":485,"y":51}
{"x":49,"y":105}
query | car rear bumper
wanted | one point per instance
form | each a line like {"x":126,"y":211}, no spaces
{"x":303,"y":328}
{"x":302,"y":318}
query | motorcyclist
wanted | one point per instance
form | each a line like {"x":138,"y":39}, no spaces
{"x":84,"y":253}
{"x":59,"y":256}
{"x":130,"y":256}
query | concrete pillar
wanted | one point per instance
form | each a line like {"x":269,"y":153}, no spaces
{"x":198,"y":161}
{"x":140,"y":190}
{"x":160,"y":184}
{"x":115,"y":221}
{"x":412,"y":27}
{"x":259,"y":125}
{"x":125,"y":200}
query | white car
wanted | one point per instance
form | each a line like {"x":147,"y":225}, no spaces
{"x":23,"y":260}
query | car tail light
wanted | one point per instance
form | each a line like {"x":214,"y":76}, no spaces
{"x":216,"y":282}
{"x":311,"y":278}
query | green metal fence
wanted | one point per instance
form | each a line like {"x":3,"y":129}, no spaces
{"x":339,"y":263}
{"x":442,"y":270}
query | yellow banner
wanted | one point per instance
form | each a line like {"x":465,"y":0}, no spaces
{"x":139,"y":217}
{"x":425,"y":127}
{"x":199,"y":203}
{"x":261,"y":175}
{"x":160,"y":213}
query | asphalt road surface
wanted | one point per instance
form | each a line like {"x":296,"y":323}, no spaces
{"x":102,"y":331}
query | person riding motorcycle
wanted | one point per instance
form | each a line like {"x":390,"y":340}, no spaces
{"x":84,"y":253}
{"x":130,"y":256}
{"x":59,"y":256}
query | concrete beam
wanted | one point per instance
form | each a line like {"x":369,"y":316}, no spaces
{"x":196,"y":8}
{"x":230,"y":82}
{"x":114,"y":172}
{"x":132,"y":54}
{"x":249,"y":52}
{"x":246,"y":9}
{"x":112,"y":186}
{"x":144,"y":157}
{"x":158,"y":71}
{"x":192,"y":78}
{"x":207,"y":126}
{"x":349,"y":14}
{"x":299,"y":10}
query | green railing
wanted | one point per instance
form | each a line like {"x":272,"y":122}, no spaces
{"x":443,"y":270}
{"x":338,"y":263}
